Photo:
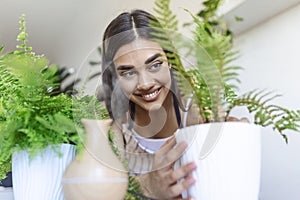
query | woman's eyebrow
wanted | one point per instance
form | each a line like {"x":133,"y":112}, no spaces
{"x":125,"y":67}
{"x":149,"y":60}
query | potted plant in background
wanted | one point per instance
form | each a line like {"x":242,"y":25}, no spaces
{"x":227,"y":153}
{"x":38,"y":132}
{"x":41,"y":127}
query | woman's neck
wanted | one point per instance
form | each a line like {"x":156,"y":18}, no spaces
{"x":158,"y":123}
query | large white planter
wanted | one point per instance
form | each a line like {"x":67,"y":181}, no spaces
{"x":40,"y":178}
{"x":228,"y":158}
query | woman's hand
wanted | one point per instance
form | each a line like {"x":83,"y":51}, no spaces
{"x":163,"y":181}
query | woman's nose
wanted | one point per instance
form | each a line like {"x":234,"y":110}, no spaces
{"x":145,"y":82}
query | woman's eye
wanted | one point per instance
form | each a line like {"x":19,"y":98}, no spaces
{"x":127,"y":74}
{"x":155,"y":66}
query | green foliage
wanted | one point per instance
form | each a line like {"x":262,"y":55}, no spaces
{"x":133,"y":186}
{"x":267,"y":114}
{"x":209,"y":16}
{"x":210,"y":9}
{"x":32,"y":115}
{"x":31,"y":119}
{"x":211,"y":71}
{"x":165,"y":16}
{"x":167,"y":24}
{"x":88,"y":107}
{"x":214,"y":75}
{"x":167,"y":36}
{"x":133,"y":190}
{"x":23,"y":38}
{"x":213,"y":78}
{"x":5,"y":167}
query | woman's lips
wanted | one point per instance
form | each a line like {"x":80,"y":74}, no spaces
{"x":151,"y":96}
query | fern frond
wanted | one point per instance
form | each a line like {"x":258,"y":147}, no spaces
{"x":210,"y":9}
{"x":266,"y":114}
{"x":219,"y":48}
{"x":209,"y":74}
{"x":30,"y":117}
{"x":23,"y":38}
{"x":8,"y":82}
{"x":172,"y":42}
{"x":165,"y":15}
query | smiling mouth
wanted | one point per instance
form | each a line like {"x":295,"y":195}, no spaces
{"x":151,"y":96}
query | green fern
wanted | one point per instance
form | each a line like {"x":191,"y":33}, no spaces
{"x":208,"y":13}
{"x":209,"y":16}
{"x":210,"y":73}
{"x":31,"y":116}
{"x":133,"y":189}
{"x":166,"y":25}
{"x":167,"y":36}
{"x":214,"y":72}
{"x":267,"y":114}
{"x":165,"y":15}
{"x":213,"y":78}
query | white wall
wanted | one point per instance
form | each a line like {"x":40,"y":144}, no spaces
{"x":270,"y":56}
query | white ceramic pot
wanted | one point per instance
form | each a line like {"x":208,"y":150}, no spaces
{"x":40,"y":177}
{"x":228,"y":158}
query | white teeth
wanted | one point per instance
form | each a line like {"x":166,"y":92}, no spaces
{"x":151,"y":94}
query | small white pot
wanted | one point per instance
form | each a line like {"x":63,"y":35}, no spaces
{"x":228,"y":158}
{"x":40,"y":177}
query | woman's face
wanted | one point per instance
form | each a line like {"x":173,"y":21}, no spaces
{"x":143,"y":73}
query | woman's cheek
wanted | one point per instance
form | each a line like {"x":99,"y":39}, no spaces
{"x":128,"y":86}
{"x":164,"y":77}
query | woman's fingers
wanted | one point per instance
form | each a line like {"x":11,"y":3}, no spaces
{"x":180,"y":187}
{"x":167,"y":146}
{"x":173,"y":182}
{"x":175,"y":153}
{"x":167,"y":158}
{"x":177,"y":187}
{"x":181,"y":172}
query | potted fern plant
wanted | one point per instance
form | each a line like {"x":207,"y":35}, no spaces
{"x":227,"y":153}
{"x":37,"y":130}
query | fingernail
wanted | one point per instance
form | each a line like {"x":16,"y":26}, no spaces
{"x":191,"y":180}
{"x":183,"y":144}
{"x":192,"y":166}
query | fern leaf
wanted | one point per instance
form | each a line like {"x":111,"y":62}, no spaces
{"x":266,"y":114}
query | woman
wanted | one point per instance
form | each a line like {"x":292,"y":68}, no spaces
{"x":143,"y":99}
